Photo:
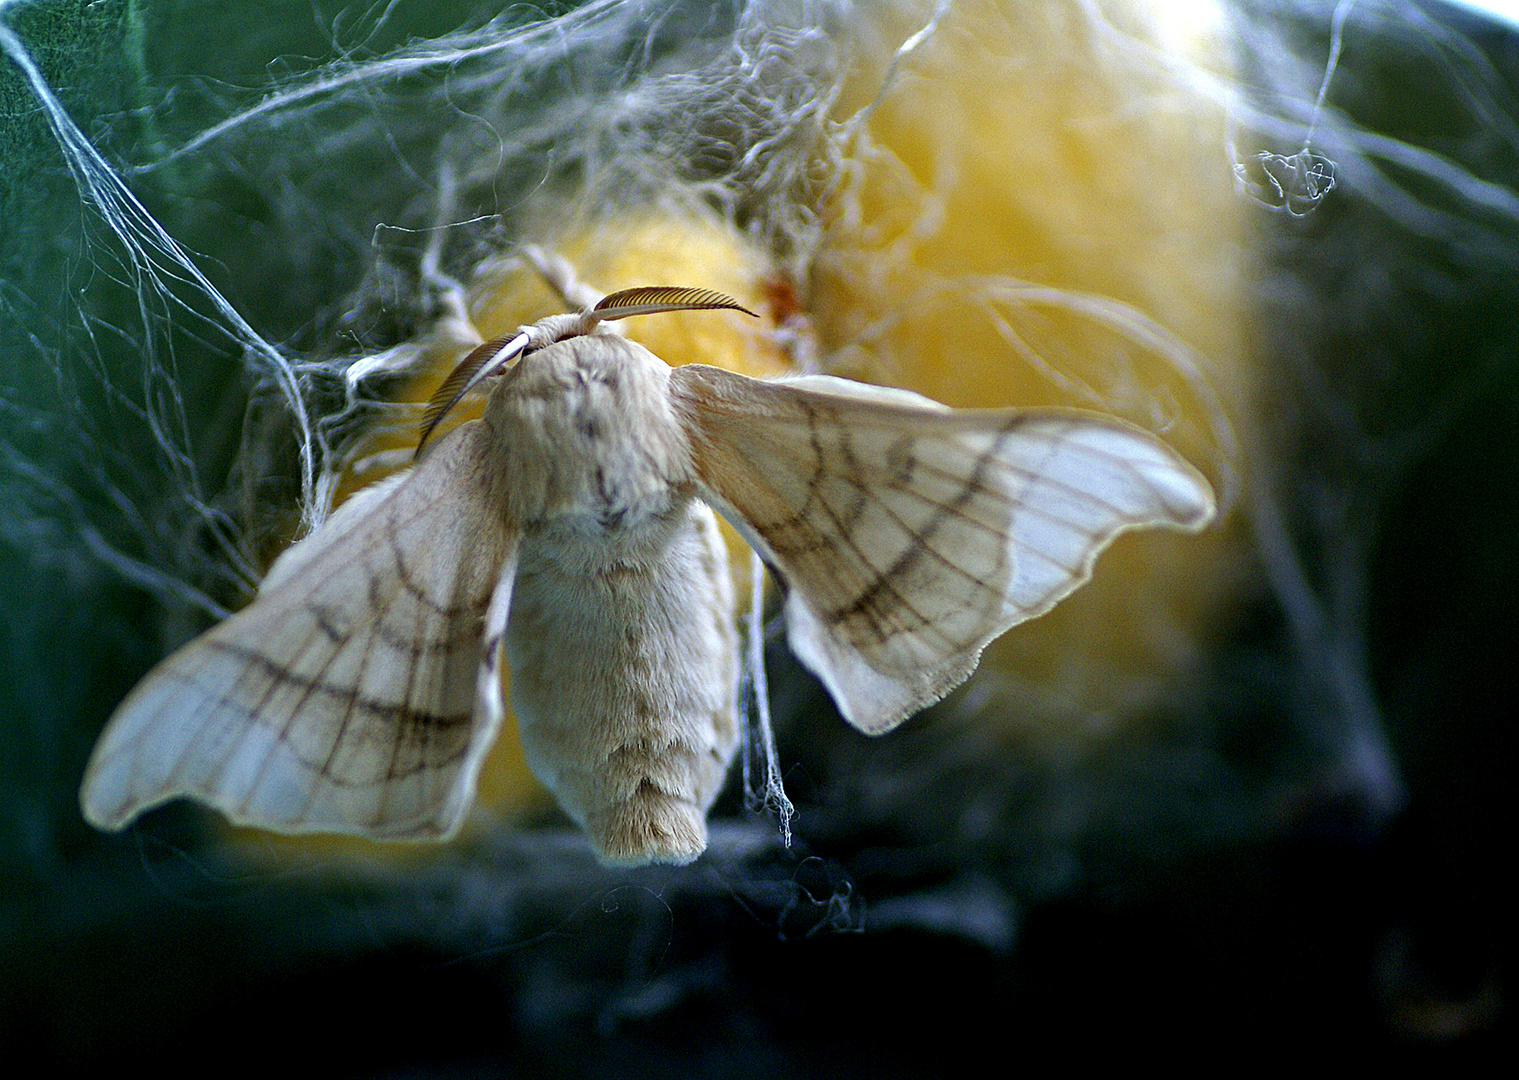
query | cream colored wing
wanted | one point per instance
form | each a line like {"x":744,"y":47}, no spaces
{"x":358,"y":693}
{"x":911,"y":535}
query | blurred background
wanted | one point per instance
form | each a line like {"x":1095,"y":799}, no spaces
{"x":1244,"y":789}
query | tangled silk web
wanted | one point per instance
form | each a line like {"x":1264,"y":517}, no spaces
{"x":417,"y":161}
{"x":403,"y":167}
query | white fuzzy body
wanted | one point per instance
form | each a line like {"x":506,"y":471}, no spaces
{"x":621,"y":632}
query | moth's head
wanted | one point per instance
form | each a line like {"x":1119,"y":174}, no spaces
{"x":495,"y":357}
{"x":546,"y":332}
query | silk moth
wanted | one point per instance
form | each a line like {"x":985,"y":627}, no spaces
{"x":570,"y":533}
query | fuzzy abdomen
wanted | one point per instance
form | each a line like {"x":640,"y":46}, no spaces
{"x":624,"y":679}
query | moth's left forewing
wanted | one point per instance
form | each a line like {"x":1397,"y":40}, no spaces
{"x":911,"y":535}
{"x":358,"y":693}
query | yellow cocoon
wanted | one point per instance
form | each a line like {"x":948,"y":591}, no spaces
{"x":1041,"y":212}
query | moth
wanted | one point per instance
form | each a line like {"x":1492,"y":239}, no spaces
{"x":570,"y":534}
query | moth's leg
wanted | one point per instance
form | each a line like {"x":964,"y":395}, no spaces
{"x":445,"y":294}
{"x":559,"y":275}
{"x":445,"y":301}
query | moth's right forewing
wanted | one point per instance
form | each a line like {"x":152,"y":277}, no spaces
{"x":349,"y":696}
{"x":911,"y":535}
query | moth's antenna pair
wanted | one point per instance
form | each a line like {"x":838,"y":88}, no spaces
{"x":493,"y":357}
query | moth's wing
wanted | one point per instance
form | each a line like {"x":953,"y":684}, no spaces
{"x":359,"y":692}
{"x":911,"y":535}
